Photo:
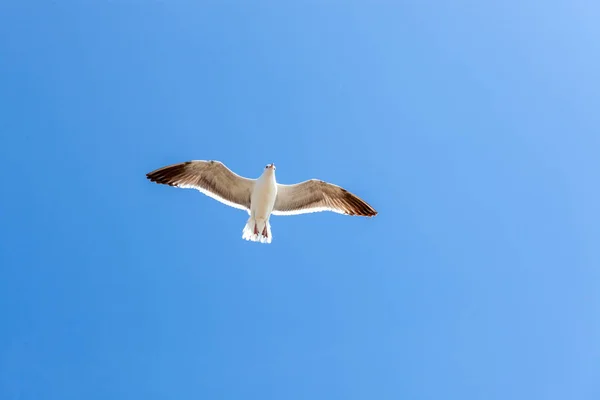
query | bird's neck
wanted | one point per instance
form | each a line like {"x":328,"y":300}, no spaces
{"x":268,"y":175}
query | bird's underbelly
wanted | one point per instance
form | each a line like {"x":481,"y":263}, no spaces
{"x":262,"y":201}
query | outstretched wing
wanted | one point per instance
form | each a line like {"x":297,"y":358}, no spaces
{"x":315,"y":195}
{"x":212,"y":178}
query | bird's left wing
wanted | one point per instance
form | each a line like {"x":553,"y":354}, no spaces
{"x":212,"y":178}
{"x":315,"y":195}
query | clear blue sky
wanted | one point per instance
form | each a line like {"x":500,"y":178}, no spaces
{"x":472,"y":127}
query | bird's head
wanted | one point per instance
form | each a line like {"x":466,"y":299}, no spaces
{"x":270,"y":166}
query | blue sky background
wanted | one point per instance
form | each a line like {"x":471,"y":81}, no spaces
{"x":472,"y":127}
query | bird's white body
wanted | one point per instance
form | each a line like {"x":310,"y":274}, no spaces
{"x":262,"y":201}
{"x":260,"y":197}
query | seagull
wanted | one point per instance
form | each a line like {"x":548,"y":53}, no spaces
{"x":261,"y":197}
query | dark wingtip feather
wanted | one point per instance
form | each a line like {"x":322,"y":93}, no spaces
{"x":358,"y":207}
{"x":167,"y":175}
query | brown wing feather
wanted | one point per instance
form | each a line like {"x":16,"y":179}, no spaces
{"x":315,"y":195}
{"x":212,"y":178}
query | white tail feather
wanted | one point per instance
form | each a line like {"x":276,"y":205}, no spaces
{"x":249,"y":231}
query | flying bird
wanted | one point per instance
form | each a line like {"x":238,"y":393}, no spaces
{"x":261,"y":197}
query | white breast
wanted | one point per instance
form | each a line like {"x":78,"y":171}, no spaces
{"x":263,"y":196}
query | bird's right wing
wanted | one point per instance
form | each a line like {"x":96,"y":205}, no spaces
{"x":315,"y":195}
{"x":212,"y":178}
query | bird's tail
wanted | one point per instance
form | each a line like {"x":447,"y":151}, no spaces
{"x":257,"y":231}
